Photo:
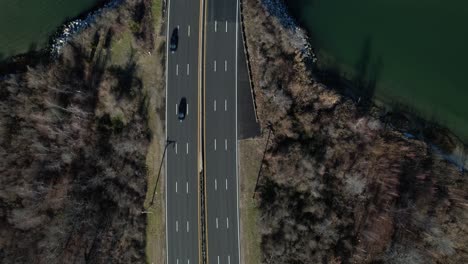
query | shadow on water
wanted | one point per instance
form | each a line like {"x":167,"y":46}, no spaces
{"x":359,"y":85}
{"x":32,"y":47}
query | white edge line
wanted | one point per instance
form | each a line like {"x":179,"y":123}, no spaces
{"x":237,"y":153}
{"x":165,"y":162}
{"x":200,"y":95}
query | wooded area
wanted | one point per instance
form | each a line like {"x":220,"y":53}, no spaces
{"x":73,"y":142}
{"x":338,"y":185}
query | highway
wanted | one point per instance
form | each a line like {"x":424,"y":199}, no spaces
{"x":219,"y":121}
{"x":182,"y":168}
{"x":221,"y":185}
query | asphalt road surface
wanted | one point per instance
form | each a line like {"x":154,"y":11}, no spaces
{"x":182,"y":194}
{"x":221,"y":36}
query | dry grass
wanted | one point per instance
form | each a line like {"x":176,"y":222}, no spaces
{"x":250,"y":155}
{"x":121,"y":48}
{"x":153,"y":85}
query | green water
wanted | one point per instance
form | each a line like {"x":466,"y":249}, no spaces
{"x":27,"y":24}
{"x":418,"y":50}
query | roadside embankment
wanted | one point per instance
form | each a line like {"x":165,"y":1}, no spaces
{"x":340,"y":184}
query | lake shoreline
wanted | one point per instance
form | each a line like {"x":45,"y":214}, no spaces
{"x":19,"y":62}
{"x":442,"y":140}
{"x":399,"y":117}
{"x":366,"y":63}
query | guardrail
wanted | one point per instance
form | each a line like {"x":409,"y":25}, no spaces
{"x":246,"y":52}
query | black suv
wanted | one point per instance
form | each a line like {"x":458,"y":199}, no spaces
{"x":182,"y":109}
{"x":174,"y":40}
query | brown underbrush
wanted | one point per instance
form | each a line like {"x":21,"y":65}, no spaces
{"x":73,"y":145}
{"x":338,"y":185}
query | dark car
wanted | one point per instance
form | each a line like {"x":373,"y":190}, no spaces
{"x":182,"y":109}
{"x":174,"y":40}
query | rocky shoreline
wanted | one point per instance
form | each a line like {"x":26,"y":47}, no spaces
{"x":442,"y":141}
{"x":57,"y":40}
{"x":71,"y":28}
